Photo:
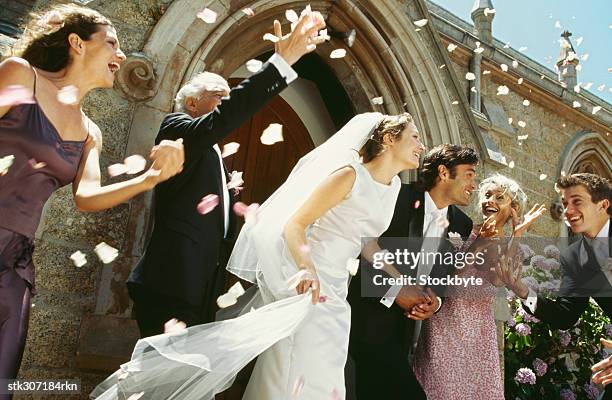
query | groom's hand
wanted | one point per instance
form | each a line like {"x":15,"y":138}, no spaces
{"x":603,"y":369}
{"x":409,"y":297}
{"x":424,"y":310}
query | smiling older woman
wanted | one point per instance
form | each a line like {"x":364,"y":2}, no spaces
{"x":63,"y":54}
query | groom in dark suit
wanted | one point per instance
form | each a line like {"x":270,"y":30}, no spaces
{"x":182,"y":271}
{"x":381,"y":333}
{"x":586,"y":266}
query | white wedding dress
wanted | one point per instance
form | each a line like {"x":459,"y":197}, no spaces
{"x":300,"y":346}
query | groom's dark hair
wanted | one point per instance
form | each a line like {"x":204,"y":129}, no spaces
{"x":449,"y":155}
{"x":597,"y":186}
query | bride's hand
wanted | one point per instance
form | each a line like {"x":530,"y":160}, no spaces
{"x":310,"y":281}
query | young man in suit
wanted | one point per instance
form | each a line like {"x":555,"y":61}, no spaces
{"x":381,"y":331}
{"x":587,"y":272}
{"x":182,"y":274}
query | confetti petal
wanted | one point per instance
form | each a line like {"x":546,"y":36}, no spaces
{"x":522,"y":137}
{"x":106,"y":253}
{"x":526,"y":102}
{"x":5,"y":163}
{"x":576,"y":104}
{"x":229,"y":149}
{"x":588,"y":85}
{"x":520,"y":81}
{"x":515,"y":64}
{"x":584,"y":57}
{"x":291,"y":16}
{"x":543,"y":176}
{"x":504,"y":67}
{"x":421,"y":23}
{"x":451,"y":47}
{"x":207,"y":15}
{"x":596,"y":110}
{"x":208,"y":203}
{"x":226,"y":300}
{"x":68,"y":95}
{"x":236,"y":289}
{"x":174,"y":326}
{"x":15,"y":94}
{"x":486,"y":72}
{"x":116,"y":170}
{"x":270,"y":37}
{"x":136,"y":396}
{"x":601,"y":88}
{"x":248,"y":11}
{"x":488,"y":11}
{"x":455,"y":102}
{"x":352,"y":265}
{"x":272,"y":134}
{"x":78,"y":258}
{"x":135,"y":164}
{"x":470,"y":76}
{"x":510,"y":120}
{"x":522,"y":48}
{"x":35,"y":164}
{"x":248,"y":212}
{"x":522,"y":124}
{"x":377,"y":100}
{"x":511,"y":164}
{"x":337,"y":53}
{"x":502,"y":90}
{"x":558,"y":25}
{"x":254,"y":65}
{"x":478,"y":50}
{"x":417,"y":204}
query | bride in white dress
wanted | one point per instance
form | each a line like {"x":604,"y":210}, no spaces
{"x":308,"y":230}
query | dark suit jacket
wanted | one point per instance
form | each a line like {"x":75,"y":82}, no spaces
{"x":372,"y":322}
{"x":579,"y":283}
{"x":183,"y":252}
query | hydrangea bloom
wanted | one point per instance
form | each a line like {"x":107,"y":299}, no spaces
{"x":564,"y":338}
{"x":567,"y":394}
{"x":609,"y":329}
{"x":525,"y":376}
{"x":591,"y":391}
{"x":523,"y":329}
{"x":552,"y":251}
{"x":540,"y":367}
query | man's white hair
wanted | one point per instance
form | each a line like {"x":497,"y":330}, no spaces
{"x":509,"y":185}
{"x":204,"y":81}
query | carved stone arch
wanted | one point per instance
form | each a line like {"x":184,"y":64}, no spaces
{"x":585,"y":152}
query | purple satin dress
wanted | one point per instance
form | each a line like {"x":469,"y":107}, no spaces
{"x":43,"y":162}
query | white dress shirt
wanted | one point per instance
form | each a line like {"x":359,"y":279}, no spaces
{"x":290,"y":75}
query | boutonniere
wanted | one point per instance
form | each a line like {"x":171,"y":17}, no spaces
{"x":235,"y":182}
{"x":455,"y":239}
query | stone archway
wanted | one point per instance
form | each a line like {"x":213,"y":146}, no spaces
{"x":389,"y":59}
{"x":586,"y":152}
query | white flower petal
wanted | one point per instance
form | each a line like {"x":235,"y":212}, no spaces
{"x":226,"y":300}
{"x":337,"y":53}
{"x":502,"y":90}
{"x":134,"y":164}
{"x":68,"y":95}
{"x":511,"y":164}
{"x":272,"y":134}
{"x":254,"y":65}
{"x":207,"y":15}
{"x":291,"y":16}
{"x":596,"y":110}
{"x":526,"y":102}
{"x":504,"y":67}
{"x":522,"y":124}
{"x":352,"y":265}
{"x":421,"y":23}
{"x":451,"y":47}
{"x":5,"y":163}
{"x":106,"y":253}
{"x":470,"y":76}
{"x":576,"y":104}
{"x":270,"y":37}
{"x":377,"y":100}
{"x":78,"y":258}
{"x":13,"y":95}
{"x":543,"y":176}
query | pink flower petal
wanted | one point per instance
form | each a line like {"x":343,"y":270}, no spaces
{"x":248,"y":212}
{"x":417,"y":204}
{"x":208,"y":203}
{"x":335,"y":395}
{"x":13,"y":95}
{"x":298,"y":386}
{"x":68,"y":95}
{"x":322,"y":299}
{"x":35,"y":164}
{"x":207,"y":15}
{"x":174,"y":325}
{"x":248,"y":11}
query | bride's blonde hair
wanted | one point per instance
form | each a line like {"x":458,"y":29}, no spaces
{"x":392,"y":125}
